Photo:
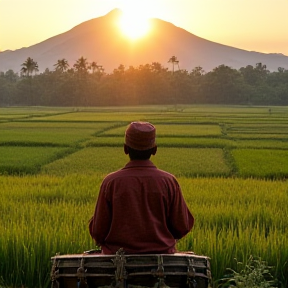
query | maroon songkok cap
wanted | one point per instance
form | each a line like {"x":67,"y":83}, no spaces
{"x":140,"y":136}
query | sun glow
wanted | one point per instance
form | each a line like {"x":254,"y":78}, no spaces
{"x":134,"y":22}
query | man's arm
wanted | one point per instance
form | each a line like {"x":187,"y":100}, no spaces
{"x":180,"y":220}
{"x":99,"y":224}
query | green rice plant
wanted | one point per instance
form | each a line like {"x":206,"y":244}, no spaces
{"x":172,"y":130}
{"x":260,"y":144}
{"x":25,"y":160}
{"x":264,"y":128}
{"x":18,"y":125}
{"x":196,"y":142}
{"x":261,"y":162}
{"x":180,"y":161}
{"x":48,"y":213}
{"x":190,"y":162}
{"x":100,"y":141}
{"x":182,"y":114}
{"x":38,"y":133}
{"x":238,"y":110}
{"x":88,"y":161}
{"x":234,"y":218}
{"x":247,"y":120}
{"x":188,"y":130}
{"x":92,"y":116}
{"x":35,"y":212}
{"x":258,"y":131}
{"x":28,"y":112}
{"x":8,"y":117}
{"x":222,"y":198}
{"x":257,"y":136}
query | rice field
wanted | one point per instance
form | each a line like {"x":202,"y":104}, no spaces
{"x":18,"y":160}
{"x":230,"y":162}
{"x":47,"y":133}
{"x":46,"y":215}
{"x":267,"y":163}
{"x":181,"y":161}
{"x":172,"y":130}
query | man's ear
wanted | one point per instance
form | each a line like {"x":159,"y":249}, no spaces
{"x":154,"y":150}
{"x":126,"y":149}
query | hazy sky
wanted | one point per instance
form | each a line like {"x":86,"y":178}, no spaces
{"x":254,"y":25}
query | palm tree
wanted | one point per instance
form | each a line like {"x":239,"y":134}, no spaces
{"x":81,"y":65}
{"x":61,"y":65}
{"x":81,"y":72}
{"x":29,"y":66}
{"x":93,"y":66}
{"x":96,"y":68}
{"x":174,"y":61}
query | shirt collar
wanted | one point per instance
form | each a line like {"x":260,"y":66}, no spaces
{"x":140,"y":163}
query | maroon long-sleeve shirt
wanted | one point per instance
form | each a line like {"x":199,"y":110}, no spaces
{"x":140,"y":209}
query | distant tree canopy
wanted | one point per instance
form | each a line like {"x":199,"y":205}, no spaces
{"x":87,"y":84}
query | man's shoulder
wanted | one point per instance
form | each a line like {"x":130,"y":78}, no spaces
{"x":165,"y":173}
{"x":114,"y":174}
{"x":124,"y":172}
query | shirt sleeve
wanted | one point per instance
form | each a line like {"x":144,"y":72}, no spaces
{"x":99,"y":224}
{"x":180,"y":219}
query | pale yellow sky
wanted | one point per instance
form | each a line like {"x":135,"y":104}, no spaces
{"x":254,"y":25}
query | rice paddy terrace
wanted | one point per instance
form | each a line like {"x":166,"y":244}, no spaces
{"x":231,"y":162}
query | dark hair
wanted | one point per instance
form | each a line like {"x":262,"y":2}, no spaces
{"x":140,"y":154}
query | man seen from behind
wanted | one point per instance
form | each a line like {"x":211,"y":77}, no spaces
{"x":140,"y":208}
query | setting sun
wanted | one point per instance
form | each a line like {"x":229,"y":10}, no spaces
{"x":134,"y":22}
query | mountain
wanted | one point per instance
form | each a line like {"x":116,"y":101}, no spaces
{"x":100,"y":40}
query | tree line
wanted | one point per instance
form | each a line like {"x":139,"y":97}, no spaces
{"x":87,"y":84}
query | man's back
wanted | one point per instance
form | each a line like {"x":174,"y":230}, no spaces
{"x":140,"y":209}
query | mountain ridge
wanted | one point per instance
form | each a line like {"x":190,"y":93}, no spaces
{"x":100,"y":40}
